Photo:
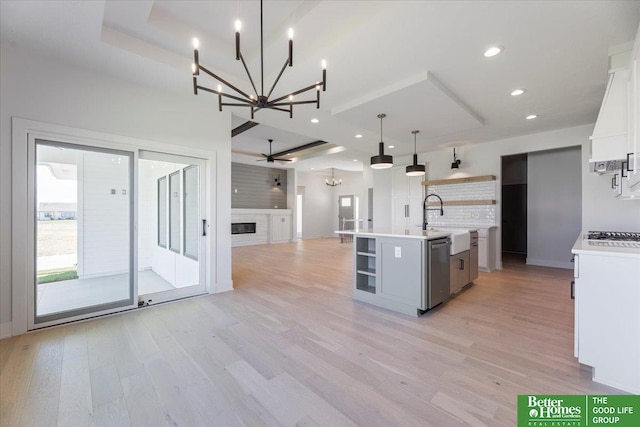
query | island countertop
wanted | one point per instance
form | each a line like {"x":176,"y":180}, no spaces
{"x":583,"y":246}
{"x":416,"y":233}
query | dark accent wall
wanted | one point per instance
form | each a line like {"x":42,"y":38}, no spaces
{"x":254,"y":187}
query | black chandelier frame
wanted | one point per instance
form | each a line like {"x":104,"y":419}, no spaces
{"x":260,"y":101}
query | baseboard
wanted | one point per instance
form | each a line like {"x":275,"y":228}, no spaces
{"x":223,"y":287}
{"x":6,"y":330}
{"x":549,"y":263}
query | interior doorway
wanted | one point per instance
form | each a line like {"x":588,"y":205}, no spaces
{"x":541,"y":207}
{"x":299,"y":216}
{"x":514,"y":209}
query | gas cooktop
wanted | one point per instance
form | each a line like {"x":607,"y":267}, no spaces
{"x":629,"y":239}
{"x":615,"y":236}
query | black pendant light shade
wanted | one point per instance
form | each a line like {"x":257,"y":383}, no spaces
{"x":415,"y":169}
{"x":381,"y":161}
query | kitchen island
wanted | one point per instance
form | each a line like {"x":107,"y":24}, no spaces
{"x":402,"y":270}
{"x":607,"y":312}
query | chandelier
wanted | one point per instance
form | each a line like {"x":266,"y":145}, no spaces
{"x":334,"y":182}
{"x":256,"y":101}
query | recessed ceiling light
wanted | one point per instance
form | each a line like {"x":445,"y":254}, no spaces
{"x":518,"y":92}
{"x":531,"y":116}
{"x":358,"y":136}
{"x":392,"y":146}
{"x":314,"y":120}
{"x":355,"y":160}
{"x":312,"y":168}
{"x":493,"y":51}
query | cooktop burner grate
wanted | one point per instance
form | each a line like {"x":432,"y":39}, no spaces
{"x":613,"y":236}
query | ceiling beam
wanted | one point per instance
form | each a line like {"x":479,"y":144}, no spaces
{"x":243,"y":128}
{"x":299,"y":148}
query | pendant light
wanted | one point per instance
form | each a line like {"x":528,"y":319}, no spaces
{"x":381,"y":161}
{"x":415,"y":169}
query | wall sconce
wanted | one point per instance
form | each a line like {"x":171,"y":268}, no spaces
{"x":277,"y":181}
{"x":456,"y":162}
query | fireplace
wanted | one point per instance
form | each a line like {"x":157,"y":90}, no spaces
{"x":243,"y":228}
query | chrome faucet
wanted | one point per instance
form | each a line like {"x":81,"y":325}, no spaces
{"x":425,"y":209}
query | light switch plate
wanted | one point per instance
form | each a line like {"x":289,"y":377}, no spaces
{"x":398,"y":251}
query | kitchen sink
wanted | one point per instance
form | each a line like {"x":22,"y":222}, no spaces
{"x":460,"y":239}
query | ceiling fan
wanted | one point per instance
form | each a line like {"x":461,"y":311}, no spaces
{"x":276,"y":156}
{"x":272,"y":157}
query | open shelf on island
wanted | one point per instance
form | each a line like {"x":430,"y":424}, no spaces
{"x":366,"y":283}
{"x":365,"y":264}
{"x":366,"y":246}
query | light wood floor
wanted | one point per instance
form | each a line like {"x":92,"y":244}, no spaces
{"x":290,"y":347}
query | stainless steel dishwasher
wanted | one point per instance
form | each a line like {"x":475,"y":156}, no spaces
{"x":438,"y":274}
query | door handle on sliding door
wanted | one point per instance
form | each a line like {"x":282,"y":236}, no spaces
{"x":204,"y":227}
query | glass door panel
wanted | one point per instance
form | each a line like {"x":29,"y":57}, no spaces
{"x":83,"y":231}
{"x":171,"y":237}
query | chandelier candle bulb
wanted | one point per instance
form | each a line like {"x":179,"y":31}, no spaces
{"x":324,"y":75}
{"x":290,"y":47}
{"x":196,"y":59}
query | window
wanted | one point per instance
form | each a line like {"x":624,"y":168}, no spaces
{"x":162,"y":212}
{"x":191,"y":211}
{"x":174,"y":212}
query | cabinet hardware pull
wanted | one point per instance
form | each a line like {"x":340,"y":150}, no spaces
{"x":629,"y":168}
{"x":573,"y":289}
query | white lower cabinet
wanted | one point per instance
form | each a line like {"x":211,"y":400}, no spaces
{"x":607,"y":316}
{"x":280,"y":228}
{"x":487,"y":249}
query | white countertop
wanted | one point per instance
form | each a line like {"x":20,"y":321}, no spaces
{"x":586,"y":247}
{"x":466,"y":227}
{"x":245,"y":211}
{"x":416,"y":233}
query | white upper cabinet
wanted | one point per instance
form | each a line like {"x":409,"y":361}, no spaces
{"x":407,"y":200}
{"x":633,"y":141}
{"x":609,"y":139}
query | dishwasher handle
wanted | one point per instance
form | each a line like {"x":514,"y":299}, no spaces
{"x":435,"y":244}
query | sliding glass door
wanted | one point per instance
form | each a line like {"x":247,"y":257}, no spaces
{"x":172,"y":230}
{"x":83,"y":231}
{"x":111,"y":230}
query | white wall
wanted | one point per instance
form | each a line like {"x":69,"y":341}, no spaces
{"x":320,"y":201}
{"x":41,"y":89}
{"x":554,"y":204}
{"x":317,"y":206}
{"x":600,"y":210}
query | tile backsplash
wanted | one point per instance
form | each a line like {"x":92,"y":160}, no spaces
{"x":480,"y":215}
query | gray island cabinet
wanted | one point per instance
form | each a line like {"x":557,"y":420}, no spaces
{"x":406,"y":272}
